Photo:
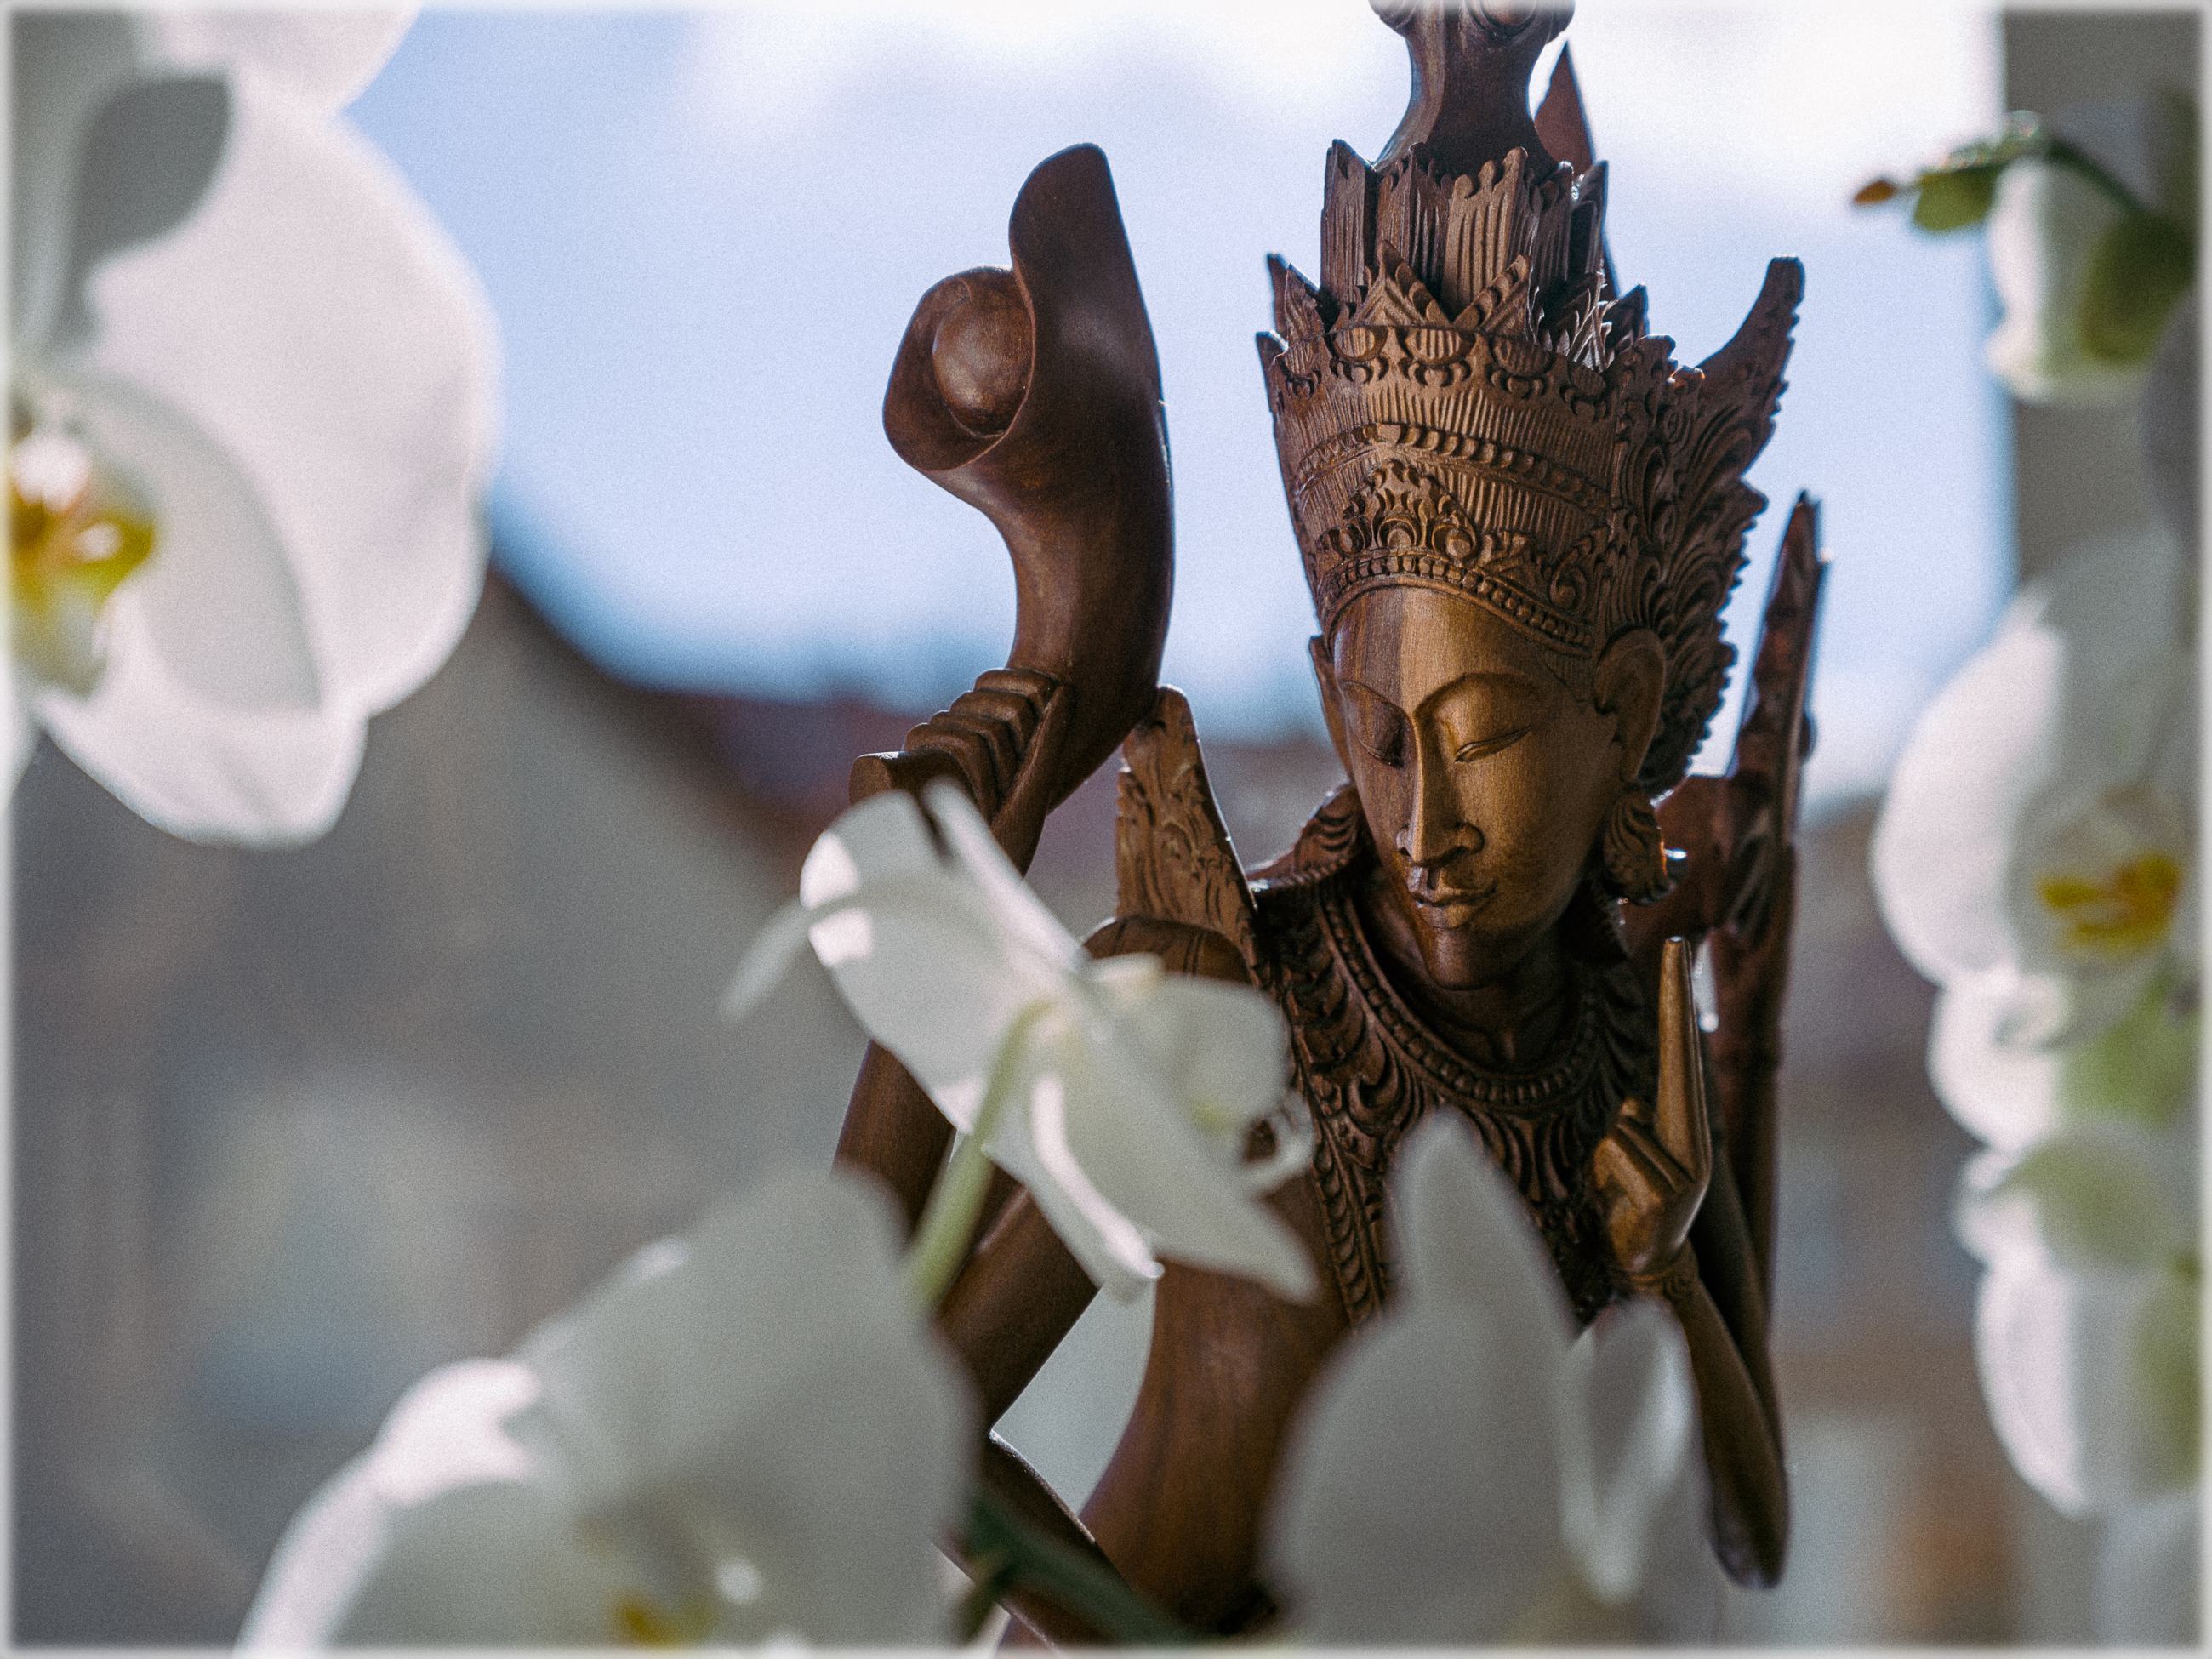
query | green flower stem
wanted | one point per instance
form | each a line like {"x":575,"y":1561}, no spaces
{"x":940,"y":1241}
{"x":2059,"y":153}
{"x":1020,"y":1558}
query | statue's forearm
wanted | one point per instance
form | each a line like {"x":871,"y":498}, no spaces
{"x":1736,"y":1274}
{"x":1011,"y":1306}
{"x":1018,"y":1297}
{"x":1750,"y":1512}
{"x":894,"y":1131}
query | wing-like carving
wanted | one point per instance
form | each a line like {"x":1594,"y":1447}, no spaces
{"x":1172,"y":857}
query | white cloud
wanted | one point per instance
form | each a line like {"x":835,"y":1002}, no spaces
{"x":1798,"y":102}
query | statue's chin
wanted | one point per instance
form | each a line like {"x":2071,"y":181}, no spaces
{"x":1460,"y":958}
{"x":1468,"y":955}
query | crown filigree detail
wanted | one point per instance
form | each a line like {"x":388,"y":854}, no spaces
{"x":1463,"y":402}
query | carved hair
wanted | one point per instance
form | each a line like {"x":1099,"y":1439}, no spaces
{"x":1463,"y":404}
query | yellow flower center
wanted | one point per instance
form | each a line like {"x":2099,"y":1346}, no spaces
{"x":2125,"y":913}
{"x":639,"y":1623}
{"x":75,"y":535}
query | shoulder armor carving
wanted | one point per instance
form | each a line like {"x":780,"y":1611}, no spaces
{"x":1172,"y":857}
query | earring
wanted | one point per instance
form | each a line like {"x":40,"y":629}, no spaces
{"x":1631,"y":853}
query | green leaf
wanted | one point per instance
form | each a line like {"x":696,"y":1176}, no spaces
{"x":1954,"y":198}
{"x":1959,"y":190}
{"x":2141,"y":266}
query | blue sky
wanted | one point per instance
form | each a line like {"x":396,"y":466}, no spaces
{"x":702,"y":236}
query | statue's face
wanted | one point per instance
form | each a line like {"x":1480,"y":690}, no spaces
{"x":1485,"y":773}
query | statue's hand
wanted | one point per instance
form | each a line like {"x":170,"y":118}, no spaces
{"x":1003,"y":737}
{"x":1653,"y":1167}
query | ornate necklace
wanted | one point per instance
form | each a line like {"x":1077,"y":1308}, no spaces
{"x":1370,"y":1069}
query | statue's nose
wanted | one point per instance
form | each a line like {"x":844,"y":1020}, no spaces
{"x":1436,"y":830}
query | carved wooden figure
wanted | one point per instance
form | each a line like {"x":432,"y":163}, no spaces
{"x":1519,"y":518}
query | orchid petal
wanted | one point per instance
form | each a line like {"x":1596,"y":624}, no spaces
{"x":201,"y":769}
{"x":1133,"y":1136}
{"x":2124,"y":602}
{"x":1020,"y":913}
{"x":22,"y":731}
{"x":1467,"y":1237}
{"x":1628,"y":1441}
{"x":819,"y":1435}
{"x":1941,"y":846}
{"x":2091,"y":1198}
{"x":2141,"y":1068}
{"x":2139,"y":1065}
{"x":2172,"y":431}
{"x":1415,"y":1505}
{"x":218,"y":597}
{"x":2006,"y":1093}
{"x":915,"y":949}
{"x":884,"y":838}
{"x":437,"y":1533}
{"x":1129,"y":1094}
{"x":317,"y":326}
{"x":766,"y":960}
{"x":2082,"y":1421}
{"x":325,"y":57}
{"x":1227,"y":1050}
{"x":144,"y":162}
{"x":1035,"y":1150}
{"x":1418,"y":1503}
{"x":65,"y":65}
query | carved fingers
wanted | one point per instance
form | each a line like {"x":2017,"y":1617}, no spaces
{"x":1653,"y":1167}
{"x":987,"y":731}
{"x":1004,"y":737}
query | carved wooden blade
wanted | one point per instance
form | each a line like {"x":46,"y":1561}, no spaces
{"x":1776,"y":734}
{"x":1562,"y":123}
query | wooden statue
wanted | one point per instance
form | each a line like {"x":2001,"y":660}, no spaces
{"x":1519,"y":519}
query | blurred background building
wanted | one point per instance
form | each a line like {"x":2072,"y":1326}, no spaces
{"x":291,"y":1128}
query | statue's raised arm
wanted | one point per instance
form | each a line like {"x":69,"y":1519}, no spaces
{"x":1033,"y":394}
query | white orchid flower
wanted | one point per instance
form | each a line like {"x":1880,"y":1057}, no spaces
{"x":1129,"y":1093}
{"x":2035,"y":855}
{"x":1468,"y":1470}
{"x":251,"y":413}
{"x":744,"y":1436}
{"x":2086,"y":268}
{"x":2086,"y":1327}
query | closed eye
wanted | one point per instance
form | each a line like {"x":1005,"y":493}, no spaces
{"x":1376,"y":726}
{"x":1476,"y":751}
{"x":1385,"y":739}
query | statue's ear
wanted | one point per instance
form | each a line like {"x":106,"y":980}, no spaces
{"x":1331,"y":708}
{"x":1629,"y":680}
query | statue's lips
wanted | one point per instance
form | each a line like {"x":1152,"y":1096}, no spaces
{"x":1451,"y":907}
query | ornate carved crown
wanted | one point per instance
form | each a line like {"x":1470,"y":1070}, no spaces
{"x":1464,"y":403}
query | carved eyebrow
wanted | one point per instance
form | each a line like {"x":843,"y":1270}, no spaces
{"x":1362,"y":686}
{"x":1507,"y":678}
